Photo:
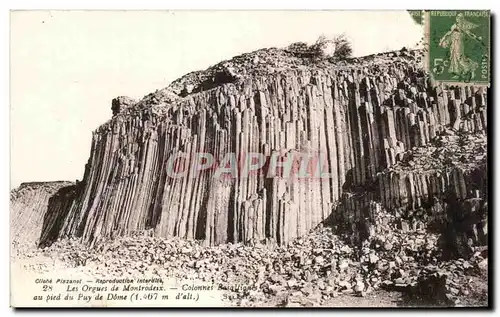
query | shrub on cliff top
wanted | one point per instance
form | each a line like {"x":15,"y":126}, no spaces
{"x":338,"y":48}
{"x":343,"y":47}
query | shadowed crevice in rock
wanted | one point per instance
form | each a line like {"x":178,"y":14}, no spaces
{"x":28,"y":208}
{"x":58,"y":207}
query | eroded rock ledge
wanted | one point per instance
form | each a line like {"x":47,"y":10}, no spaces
{"x":29,"y":203}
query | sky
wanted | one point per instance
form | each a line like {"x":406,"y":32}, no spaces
{"x":67,"y":66}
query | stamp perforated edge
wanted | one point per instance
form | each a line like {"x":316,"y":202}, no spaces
{"x":427,"y":63}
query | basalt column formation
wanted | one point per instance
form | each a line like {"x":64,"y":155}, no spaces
{"x":367,"y":115}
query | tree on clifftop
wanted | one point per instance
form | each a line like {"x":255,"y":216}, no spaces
{"x":343,"y":47}
{"x":337,"y":48}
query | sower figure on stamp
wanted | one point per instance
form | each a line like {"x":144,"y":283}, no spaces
{"x":460,"y":64}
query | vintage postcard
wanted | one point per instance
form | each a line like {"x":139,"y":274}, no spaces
{"x":249,"y":158}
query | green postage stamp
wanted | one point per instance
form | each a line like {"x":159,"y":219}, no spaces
{"x":459,"y":46}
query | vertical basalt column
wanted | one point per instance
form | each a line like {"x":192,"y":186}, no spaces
{"x":361,"y":120}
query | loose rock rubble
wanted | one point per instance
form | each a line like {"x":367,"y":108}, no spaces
{"x":310,"y":271}
{"x":449,"y":149}
{"x":449,"y":283}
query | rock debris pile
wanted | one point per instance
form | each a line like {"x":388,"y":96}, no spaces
{"x":449,"y":149}
{"x":310,"y":271}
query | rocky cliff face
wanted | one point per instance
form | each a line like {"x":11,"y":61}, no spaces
{"x":29,"y":205}
{"x":374,"y":118}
